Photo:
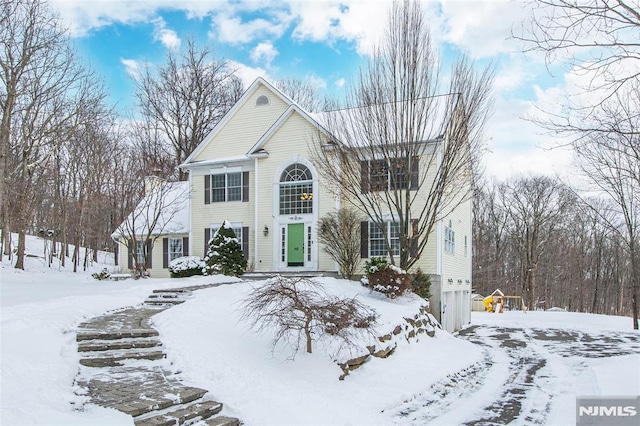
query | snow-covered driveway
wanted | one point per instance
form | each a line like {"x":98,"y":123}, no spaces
{"x":529,"y":376}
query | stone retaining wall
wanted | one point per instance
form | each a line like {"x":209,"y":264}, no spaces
{"x":421,"y":323}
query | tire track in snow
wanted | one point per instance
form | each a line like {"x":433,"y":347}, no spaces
{"x":440,"y":396}
{"x":520,"y":394}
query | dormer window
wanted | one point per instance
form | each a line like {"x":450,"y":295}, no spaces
{"x":262,"y":100}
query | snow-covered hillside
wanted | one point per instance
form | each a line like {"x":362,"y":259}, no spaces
{"x":440,"y":380}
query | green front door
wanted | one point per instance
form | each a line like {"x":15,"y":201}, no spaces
{"x":295,"y":244}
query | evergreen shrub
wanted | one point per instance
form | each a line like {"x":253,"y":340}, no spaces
{"x":225,"y":254}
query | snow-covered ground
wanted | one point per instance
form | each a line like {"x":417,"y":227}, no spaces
{"x":205,"y":340}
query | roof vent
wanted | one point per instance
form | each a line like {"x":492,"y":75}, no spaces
{"x":262,"y":100}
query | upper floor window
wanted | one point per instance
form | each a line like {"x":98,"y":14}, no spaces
{"x":262,"y":100}
{"x":389,"y":174}
{"x":449,"y":239}
{"x":223,"y":187}
{"x":296,"y":190}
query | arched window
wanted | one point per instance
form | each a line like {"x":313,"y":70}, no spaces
{"x":262,"y":100}
{"x":296,"y":190}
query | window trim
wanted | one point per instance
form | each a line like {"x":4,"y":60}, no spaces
{"x":386,"y":238}
{"x":226,"y":187}
{"x":290,"y":185}
{"x":449,"y":239}
{"x":386,"y":174}
{"x":241,"y":190}
{"x":172,"y":254}
{"x":140,"y":255}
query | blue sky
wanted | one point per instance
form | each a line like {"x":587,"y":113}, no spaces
{"x":324,"y":42}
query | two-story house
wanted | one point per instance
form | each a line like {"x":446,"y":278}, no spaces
{"x":256,"y":169}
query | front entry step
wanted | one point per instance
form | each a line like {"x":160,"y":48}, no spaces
{"x":301,"y":274}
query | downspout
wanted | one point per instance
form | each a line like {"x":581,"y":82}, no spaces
{"x":255,"y":213}
{"x":439,"y":225}
{"x":190,"y":233}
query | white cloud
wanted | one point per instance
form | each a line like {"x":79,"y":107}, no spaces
{"x":132,"y":67}
{"x":169,"y":38}
{"x":480,"y":28}
{"x":248,"y":74}
{"x":264,"y":52}
{"x":340,"y":82}
{"x":357,"y":21}
{"x":82,"y":16}
{"x":232,"y":30}
{"x":519,"y":146}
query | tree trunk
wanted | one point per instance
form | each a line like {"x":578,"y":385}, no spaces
{"x":76,"y":257}
{"x":307,"y":332}
{"x":20,"y":254}
{"x":6,"y":239}
{"x":635,"y":282}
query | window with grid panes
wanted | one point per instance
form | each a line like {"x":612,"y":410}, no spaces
{"x":226,"y":187}
{"x":296,"y":190}
{"x":449,"y":239}
{"x":378,"y":239}
{"x":175,"y":248}
{"x":393,"y":173}
{"x":140,"y":252}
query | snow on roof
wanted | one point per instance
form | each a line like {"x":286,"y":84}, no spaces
{"x":429,"y":118}
{"x":163,"y":210}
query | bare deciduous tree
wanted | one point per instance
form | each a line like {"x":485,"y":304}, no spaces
{"x":304,"y":94}
{"x":593,"y":37}
{"x":535,"y":205}
{"x":610,"y":160}
{"x":339,"y":232}
{"x":187,"y":97}
{"x":598,"y":41}
{"x":298,"y":309}
{"x":46,"y":97}
{"x":400,"y":149}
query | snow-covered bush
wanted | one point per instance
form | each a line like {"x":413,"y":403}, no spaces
{"x":102,"y":275}
{"x":385,"y":278}
{"x":225,"y":254}
{"x":186,"y":266}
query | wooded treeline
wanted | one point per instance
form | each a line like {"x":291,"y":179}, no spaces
{"x":72,"y":169}
{"x":535,"y":238}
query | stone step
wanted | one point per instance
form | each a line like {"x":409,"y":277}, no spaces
{"x":166,"y":295}
{"x":110,"y":345}
{"x":164,"y":301}
{"x":172,"y":290}
{"x":201,"y":410}
{"x":222,"y":421}
{"x":115,"y":335}
{"x":117,"y":359}
{"x":142,"y":410}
